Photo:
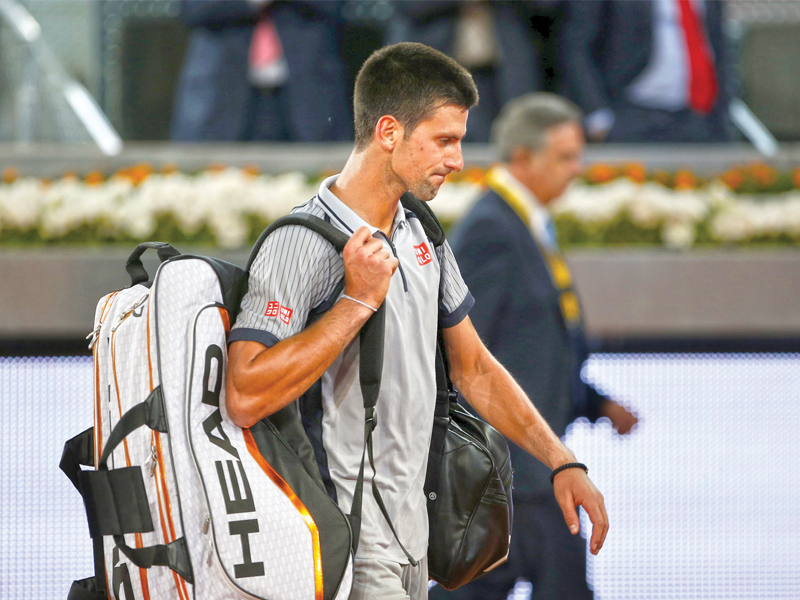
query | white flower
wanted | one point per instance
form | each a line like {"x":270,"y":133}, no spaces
{"x":595,"y":204}
{"x":455,"y":199}
{"x":678,"y":234}
{"x":22,"y":203}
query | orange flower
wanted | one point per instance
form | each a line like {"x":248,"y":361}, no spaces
{"x":215,"y":167}
{"x":601,"y":173}
{"x":251,"y":170}
{"x":169,"y":168}
{"x":796,"y":177}
{"x":734,"y":179}
{"x":138,"y":173}
{"x":764,"y":175}
{"x":635,"y":172}
{"x":10,"y":174}
{"x":474,"y":175}
{"x":69,"y":175}
{"x":94,"y":178}
{"x":685,"y":180}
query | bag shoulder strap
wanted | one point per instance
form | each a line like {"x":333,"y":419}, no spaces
{"x":333,"y":235}
{"x":430,"y":223}
{"x":370,"y":365}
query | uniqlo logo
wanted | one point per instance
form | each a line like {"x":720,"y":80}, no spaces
{"x":423,"y":254}
{"x":272,"y":309}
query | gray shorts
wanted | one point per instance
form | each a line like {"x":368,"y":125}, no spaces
{"x":375,"y":579}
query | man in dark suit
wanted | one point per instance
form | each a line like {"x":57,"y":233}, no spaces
{"x":647,"y":71}
{"x":527,"y":314}
{"x":257,"y":70}
{"x":504,"y":61}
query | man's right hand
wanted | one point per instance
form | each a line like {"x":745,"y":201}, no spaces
{"x":368,"y":268}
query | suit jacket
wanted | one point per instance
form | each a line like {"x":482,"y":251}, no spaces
{"x":605,"y":45}
{"x":518,"y":316}
{"x":214,"y":99}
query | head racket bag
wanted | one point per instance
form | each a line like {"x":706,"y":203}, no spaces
{"x":182,"y":503}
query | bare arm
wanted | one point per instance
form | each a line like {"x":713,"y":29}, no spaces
{"x":263,"y":380}
{"x":498,"y":398}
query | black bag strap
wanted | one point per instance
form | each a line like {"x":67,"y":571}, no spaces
{"x":151,"y":412}
{"x":370,"y":371}
{"x":174,"y":555}
{"x":446,"y":393}
{"x":433,"y":228}
{"x":335,"y":236}
{"x":115,"y":499}
{"x":80,"y":451}
{"x":134,"y":265}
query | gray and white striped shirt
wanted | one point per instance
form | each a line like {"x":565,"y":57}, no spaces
{"x":295,"y":272}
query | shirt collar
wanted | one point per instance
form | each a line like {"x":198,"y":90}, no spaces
{"x":537,"y":215}
{"x":345,"y":217}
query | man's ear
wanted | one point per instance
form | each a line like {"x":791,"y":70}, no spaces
{"x":520,"y":155}
{"x":388,"y":132}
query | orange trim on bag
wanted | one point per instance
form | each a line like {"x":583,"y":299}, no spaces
{"x":155,"y":440}
{"x":116,"y":386}
{"x":98,"y":419}
{"x":226,"y":319}
{"x":137,"y":536}
{"x":98,"y":446}
{"x":98,"y":425}
{"x":298,"y":504}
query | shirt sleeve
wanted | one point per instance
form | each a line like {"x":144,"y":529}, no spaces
{"x":295,"y":271}
{"x":455,"y":299}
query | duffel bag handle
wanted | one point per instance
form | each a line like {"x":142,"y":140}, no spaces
{"x":134,"y":265}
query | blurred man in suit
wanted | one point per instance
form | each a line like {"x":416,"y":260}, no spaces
{"x":527,"y":314}
{"x":494,"y":40}
{"x":257,"y":70}
{"x":647,"y":71}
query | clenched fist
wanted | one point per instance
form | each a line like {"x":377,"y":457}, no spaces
{"x":368,"y":268}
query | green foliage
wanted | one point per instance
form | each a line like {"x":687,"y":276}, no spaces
{"x":168,"y":230}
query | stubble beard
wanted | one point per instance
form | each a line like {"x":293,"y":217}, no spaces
{"x":424,"y":190}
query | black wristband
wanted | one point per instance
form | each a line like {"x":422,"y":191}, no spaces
{"x":575,"y":465}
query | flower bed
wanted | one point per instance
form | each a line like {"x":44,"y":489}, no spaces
{"x":229,"y":207}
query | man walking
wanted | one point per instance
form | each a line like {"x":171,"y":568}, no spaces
{"x":528,"y":315}
{"x":411,"y":105}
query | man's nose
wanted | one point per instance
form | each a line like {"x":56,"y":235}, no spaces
{"x":455,"y":160}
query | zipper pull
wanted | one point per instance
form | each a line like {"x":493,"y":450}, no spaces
{"x":153,"y":460}
{"x":206,"y":524}
{"x":93,"y":335}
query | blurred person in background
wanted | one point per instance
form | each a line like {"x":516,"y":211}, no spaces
{"x":494,"y":40}
{"x":527,"y":314}
{"x":647,"y":71}
{"x":263,"y":71}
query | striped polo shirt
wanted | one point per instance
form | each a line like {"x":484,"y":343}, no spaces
{"x":293,"y":277}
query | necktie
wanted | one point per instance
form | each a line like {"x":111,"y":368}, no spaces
{"x":550,"y":227}
{"x":267,"y":66}
{"x":702,"y":76}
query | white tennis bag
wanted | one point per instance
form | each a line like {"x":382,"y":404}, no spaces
{"x":183,"y":503}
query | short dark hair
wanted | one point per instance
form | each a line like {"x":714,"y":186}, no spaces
{"x":408,"y":81}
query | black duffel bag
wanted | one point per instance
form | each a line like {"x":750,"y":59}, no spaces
{"x":468,"y":484}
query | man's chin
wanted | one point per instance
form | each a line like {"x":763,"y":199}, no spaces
{"x":426,"y":193}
